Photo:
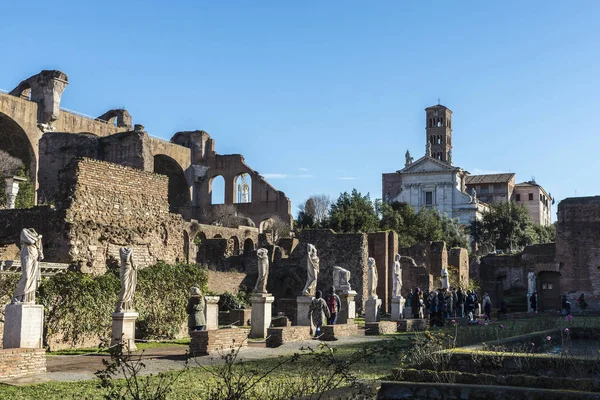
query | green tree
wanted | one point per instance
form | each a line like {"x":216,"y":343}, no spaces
{"x":26,"y":196}
{"x":352,"y":213}
{"x":544,"y":234}
{"x":505,"y":225}
{"x":455,"y":234}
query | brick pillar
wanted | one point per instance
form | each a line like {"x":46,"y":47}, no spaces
{"x":378,"y":249}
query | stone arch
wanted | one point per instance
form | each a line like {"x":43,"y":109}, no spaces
{"x":218,"y":236}
{"x":248,"y":245}
{"x":243,"y":188}
{"x":216,"y":189}
{"x":264,"y":225}
{"x":118,"y":117}
{"x":233,"y":246}
{"x":179,"y":193}
{"x":199,"y":241}
{"x":15,"y":141}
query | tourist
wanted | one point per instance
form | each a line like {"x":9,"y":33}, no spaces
{"x":409,"y":299}
{"x":460,"y":303}
{"x":334,"y":304}
{"x":318,"y":312}
{"x":434,"y":302}
{"x":566,"y":305}
{"x":426,"y":296}
{"x":454,"y":302}
{"x":416,"y":303}
{"x":533,"y":302}
{"x":581,"y":302}
{"x":442,"y":307}
{"x":487,"y":306}
{"x":195,"y":310}
{"x":476,"y":308}
{"x":470,"y":305}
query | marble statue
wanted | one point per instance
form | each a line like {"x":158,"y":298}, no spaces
{"x":428,"y":149}
{"x":445,"y":278}
{"x":372,"y":275}
{"x":397,"y":283}
{"x":341,"y":278}
{"x":531,"y":285}
{"x":128,"y":276}
{"x":263,"y":271}
{"x":474,"y":194}
{"x":31,"y":255}
{"x":449,"y":156}
{"x":409,"y":159}
{"x":312,"y":271}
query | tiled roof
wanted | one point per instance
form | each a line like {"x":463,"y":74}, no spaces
{"x":490,"y":178}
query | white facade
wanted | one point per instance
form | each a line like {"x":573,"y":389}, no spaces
{"x":431,"y":183}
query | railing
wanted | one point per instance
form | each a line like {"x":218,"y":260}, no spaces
{"x":46,"y":268}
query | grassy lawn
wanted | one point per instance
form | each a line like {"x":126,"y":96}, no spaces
{"x":197,"y":381}
{"x":140,"y":345}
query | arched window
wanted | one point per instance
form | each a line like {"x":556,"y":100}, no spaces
{"x":243,"y":187}
{"x":217,"y":190}
{"x":233,"y":246}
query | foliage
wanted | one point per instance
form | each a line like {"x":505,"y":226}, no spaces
{"x":353,"y":213}
{"x":9,"y":165}
{"x":229,"y":301}
{"x":80,"y":305}
{"x":544,"y":234}
{"x":136,"y":388}
{"x":277,"y":227}
{"x":505,"y":225}
{"x":25,"y":196}
{"x":8,"y":283}
{"x":225,"y":215}
{"x":313,"y":213}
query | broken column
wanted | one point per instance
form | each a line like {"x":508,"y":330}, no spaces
{"x":12,"y":189}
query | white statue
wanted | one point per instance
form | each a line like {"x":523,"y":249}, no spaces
{"x":445,"y":278}
{"x":263,"y":271}
{"x":531,"y":285}
{"x":397,"y":283}
{"x":128,"y":276}
{"x":341,"y":278}
{"x":428,"y":149}
{"x":312,"y":271}
{"x":409,"y":159}
{"x":474,"y":194}
{"x":31,"y":255}
{"x":372,"y":282}
{"x":449,"y":156}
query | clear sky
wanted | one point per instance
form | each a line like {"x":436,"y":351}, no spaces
{"x":324,"y":96}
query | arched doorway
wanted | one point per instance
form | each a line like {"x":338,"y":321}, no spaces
{"x":248,"y":245}
{"x":243,"y":188}
{"x":233,"y":246}
{"x":179,"y":192}
{"x":17,"y":157}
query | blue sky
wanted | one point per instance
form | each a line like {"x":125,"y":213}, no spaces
{"x":323,"y":97}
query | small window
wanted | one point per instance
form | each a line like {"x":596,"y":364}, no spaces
{"x":498,"y":188}
{"x":547,"y":286}
{"x":428,"y":198}
{"x":530,"y":196}
{"x":518,"y":197}
{"x":485,"y":189}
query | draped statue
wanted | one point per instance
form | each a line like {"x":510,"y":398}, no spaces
{"x":445,"y":278}
{"x":312,"y":271}
{"x":372,"y":281}
{"x":397,"y":276}
{"x":263,"y":271}
{"x":128,"y":276}
{"x":341,"y":278}
{"x":31,"y":255}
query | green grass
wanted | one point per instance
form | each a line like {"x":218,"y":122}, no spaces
{"x":140,"y":345}
{"x":196,"y":381}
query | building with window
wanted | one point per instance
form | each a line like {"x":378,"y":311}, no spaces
{"x":536,"y":200}
{"x":492,"y":188}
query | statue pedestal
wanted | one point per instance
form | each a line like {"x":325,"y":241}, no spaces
{"x":372,"y":309}
{"x":347,"y":312}
{"x":261,"y":314}
{"x":123,"y":329}
{"x":23,"y":326}
{"x":211,"y":312}
{"x":302,"y":307}
{"x":397,"y":308}
{"x":529,"y":309}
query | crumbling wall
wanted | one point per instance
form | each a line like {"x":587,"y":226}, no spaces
{"x":578,"y":248}
{"x":378,"y":249}
{"x":458,"y":257}
{"x":109,"y":205}
{"x":438,"y":259}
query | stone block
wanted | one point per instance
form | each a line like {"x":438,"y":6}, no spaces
{"x":213,"y":341}
{"x":381,"y":328}
{"x":347,"y":312}
{"x":278,"y":336}
{"x":411,"y":325}
{"x":372,"y":309}
{"x":333,"y":332}
{"x":123,"y":329}
{"x":261,"y":314}
{"x":211,"y":312}
{"x":24,"y":326}
{"x":303,"y":305}
{"x":397,"y":308}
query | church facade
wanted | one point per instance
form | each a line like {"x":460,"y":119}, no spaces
{"x":433,"y":181}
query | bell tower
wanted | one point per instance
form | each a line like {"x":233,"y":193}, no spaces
{"x":438,"y":131}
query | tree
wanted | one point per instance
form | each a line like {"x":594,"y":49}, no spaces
{"x":225,"y":215}
{"x":353,"y":213}
{"x":544,"y":234}
{"x":313,"y":212}
{"x":277,"y":227}
{"x":505,"y":225}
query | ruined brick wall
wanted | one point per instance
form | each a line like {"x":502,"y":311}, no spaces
{"x":438,"y":259}
{"x":131,"y":149}
{"x":378,"y":249}
{"x":220,"y":282}
{"x":459,"y":258}
{"x":108,"y":205}
{"x":21,"y":362}
{"x":578,"y":248}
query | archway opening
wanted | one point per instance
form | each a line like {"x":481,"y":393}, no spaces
{"x":217,"y":190}
{"x":17,"y":158}
{"x":265,"y":225}
{"x":233,"y":246}
{"x":248,"y":245}
{"x":243,"y":187}
{"x":199,"y":241}
{"x":179,"y":193}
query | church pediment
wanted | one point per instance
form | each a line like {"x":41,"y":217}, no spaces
{"x":427,"y":164}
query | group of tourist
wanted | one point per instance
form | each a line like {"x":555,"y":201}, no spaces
{"x":441,"y":304}
{"x":324,"y":311}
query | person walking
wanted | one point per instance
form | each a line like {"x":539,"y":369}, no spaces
{"x":334,"y":304}
{"x":460,"y":303}
{"x":416,"y":303}
{"x":195,"y":310}
{"x":533,"y":301}
{"x":487,"y":306}
{"x":433,"y":308}
{"x":470,"y":305}
{"x":318,"y":312}
{"x":409,"y":299}
{"x":581,"y":302}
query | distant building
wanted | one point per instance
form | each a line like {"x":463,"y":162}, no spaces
{"x":536,"y":200}
{"x":492,"y":188}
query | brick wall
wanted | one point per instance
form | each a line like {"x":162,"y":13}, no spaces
{"x":333,"y":332}
{"x":20,"y":362}
{"x":380,"y":328}
{"x":209,"y":342}
{"x":278,"y":336}
{"x":378,"y":249}
{"x":220,"y":282}
{"x":459,"y":258}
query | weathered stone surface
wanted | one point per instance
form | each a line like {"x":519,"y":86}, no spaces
{"x":210,"y":342}
{"x":280,"y":335}
{"x":411,"y":325}
{"x":15,"y":363}
{"x":24,"y":326}
{"x":380,"y":328}
{"x":333,"y":332}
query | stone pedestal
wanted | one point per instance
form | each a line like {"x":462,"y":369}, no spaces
{"x":23,"y":326}
{"x":372,"y":309}
{"x":529,"y":309}
{"x":261,"y":314}
{"x":123,"y":329}
{"x":211,"y":312}
{"x":347,"y":313}
{"x":12,"y":189}
{"x":302,"y":307}
{"x":398,"y":308}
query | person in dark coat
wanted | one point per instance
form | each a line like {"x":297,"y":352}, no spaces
{"x":460,"y":303}
{"x":195,"y":310}
{"x":533,"y":301}
{"x":416,"y":303}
